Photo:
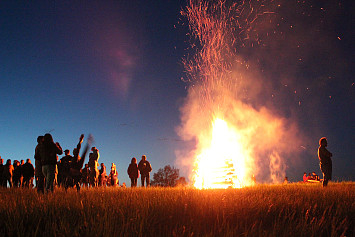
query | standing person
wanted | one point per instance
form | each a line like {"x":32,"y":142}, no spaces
{"x":8,"y":172}
{"x":49,"y":157}
{"x":1,"y":172}
{"x":64,"y":167}
{"x":28,"y":173}
{"x":133,"y":172}
{"x":145,"y":168}
{"x":38,"y":166}
{"x":113,"y":177}
{"x":85,"y":176}
{"x":78,"y":162}
{"x":93,"y":164}
{"x":16,"y":176}
{"x":22,"y":162}
{"x":102,"y":176}
{"x":325,"y":161}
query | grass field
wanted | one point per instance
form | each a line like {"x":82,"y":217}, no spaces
{"x":265,"y":210}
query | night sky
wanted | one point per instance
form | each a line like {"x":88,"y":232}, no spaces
{"x":114,"y":69}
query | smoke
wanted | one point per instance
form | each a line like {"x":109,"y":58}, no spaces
{"x":227,"y":82}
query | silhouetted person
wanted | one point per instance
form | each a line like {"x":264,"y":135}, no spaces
{"x":64,"y":168}
{"x":38,"y":166}
{"x":22,"y":162}
{"x":102,"y":176}
{"x":16,"y":177}
{"x":133,"y":172}
{"x":78,"y":162}
{"x":8,"y":172}
{"x":85,"y":176}
{"x":28,"y":173}
{"x":145,"y":168}
{"x":1,"y":172}
{"x":325,"y":161}
{"x":49,"y":156}
{"x":93,"y":164}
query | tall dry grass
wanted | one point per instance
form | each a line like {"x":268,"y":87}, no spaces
{"x":265,"y":210}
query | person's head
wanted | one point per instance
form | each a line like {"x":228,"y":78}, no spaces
{"x":323,"y":142}
{"x":304,"y":173}
{"x":93,"y":149}
{"x":1,"y":160}
{"x":8,"y":162}
{"x":16,"y":163}
{"x":144,"y":158}
{"x":40,"y":139}
{"x":134,"y":160}
{"x":22,"y":162}
{"x":75,"y":151}
{"x":67,"y":152}
{"x":28,"y":161}
{"x":48,"y":138}
{"x":102,"y":164}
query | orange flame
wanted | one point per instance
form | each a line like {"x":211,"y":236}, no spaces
{"x":236,"y":136}
{"x":221,"y":164}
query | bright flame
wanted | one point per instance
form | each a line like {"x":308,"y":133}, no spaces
{"x":236,"y":135}
{"x":222,"y":164}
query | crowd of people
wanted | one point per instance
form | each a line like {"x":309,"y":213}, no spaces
{"x":18,"y":174}
{"x":311,"y":177}
{"x":69,"y":171}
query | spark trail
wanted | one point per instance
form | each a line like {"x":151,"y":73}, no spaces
{"x":234,"y":138}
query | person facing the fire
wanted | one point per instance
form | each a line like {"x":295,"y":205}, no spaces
{"x":49,"y":158}
{"x":325,"y":161}
{"x":145,"y":168}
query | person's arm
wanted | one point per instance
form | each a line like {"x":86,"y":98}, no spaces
{"x":327,"y":153}
{"x":78,"y":147}
{"x":59,"y":149}
{"x":86,"y":149}
{"x":37,"y":153}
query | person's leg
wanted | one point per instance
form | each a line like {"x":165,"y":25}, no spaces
{"x":142,"y":180}
{"x":148,"y":179}
{"x":44,"y":171}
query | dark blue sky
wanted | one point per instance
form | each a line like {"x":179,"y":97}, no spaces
{"x":113,"y":69}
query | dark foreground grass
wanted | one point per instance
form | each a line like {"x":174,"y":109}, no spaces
{"x":266,"y":210}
